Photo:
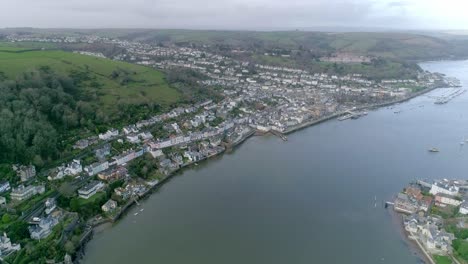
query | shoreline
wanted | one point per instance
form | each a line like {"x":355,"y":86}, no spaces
{"x":370,"y":107}
{"x":94,"y":228}
{"x":414,"y":247}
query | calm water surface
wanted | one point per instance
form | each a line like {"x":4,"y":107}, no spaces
{"x":308,"y":200}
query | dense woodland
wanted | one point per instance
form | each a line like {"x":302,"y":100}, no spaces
{"x":36,"y":109}
{"x":33,"y":108}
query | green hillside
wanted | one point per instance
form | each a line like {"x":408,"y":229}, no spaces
{"x":49,"y":99}
{"x":111,"y":82}
{"x":394,"y":45}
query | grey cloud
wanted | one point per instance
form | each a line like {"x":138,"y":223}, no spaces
{"x":398,"y":4}
{"x":216,"y":14}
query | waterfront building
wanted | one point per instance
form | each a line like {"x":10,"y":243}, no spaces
{"x":90,"y":189}
{"x":425,"y":203}
{"x":425,"y":229}
{"x":414,"y":192}
{"x":443,"y":200}
{"x":109,"y":206}
{"x":435,"y":240}
{"x":404,"y":204}
{"x":444,"y":187}
{"x":123,"y":192}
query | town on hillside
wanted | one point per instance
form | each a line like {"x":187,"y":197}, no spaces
{"x":110,"y":171}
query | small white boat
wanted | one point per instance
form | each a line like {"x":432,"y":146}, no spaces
{"x":142,"y":209}
{"x":135,"y":214}
{"x":433,"y":150}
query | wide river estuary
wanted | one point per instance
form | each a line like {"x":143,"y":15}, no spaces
{"x":316,"y":198}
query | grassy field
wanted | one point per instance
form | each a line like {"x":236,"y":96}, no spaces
{"x":274,"y":60}
{"x":442,"y":259}
{"x":26,"y":45}
{"x":91,"y":199}
{"x":142,"y":85}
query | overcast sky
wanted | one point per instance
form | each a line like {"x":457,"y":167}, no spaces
{"x":235,"y":14}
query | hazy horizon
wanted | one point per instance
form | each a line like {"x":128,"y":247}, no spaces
{"x":237,"y":14}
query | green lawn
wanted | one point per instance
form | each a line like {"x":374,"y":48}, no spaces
{"x":275,"y":60}
{"x":146,"y":86}
{"x":442,"y":259}
{"x":91,"y":199}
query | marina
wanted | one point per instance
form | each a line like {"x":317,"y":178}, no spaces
{"x":352,"y":115}
{"x":447,"y":98}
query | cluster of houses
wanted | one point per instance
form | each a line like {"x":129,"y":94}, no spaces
{"x":297,"y":95}
{"x":71,"y":169}
{"x":429,"y":232}
{"x":417,"y":201}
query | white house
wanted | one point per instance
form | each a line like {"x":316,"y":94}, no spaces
{"x":441,"y":187}
{"x":109,"y":206}
{"x":90,"y":189}
{"x":22,"y":193}
{"x":445,"y":199}
{"x":109,"y":134}
{"x":73,"y":168}
{"x":4,"y":186}
{"x":97,"y":167}
{"x":50,"y":205}
{"x":464,"y":208}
